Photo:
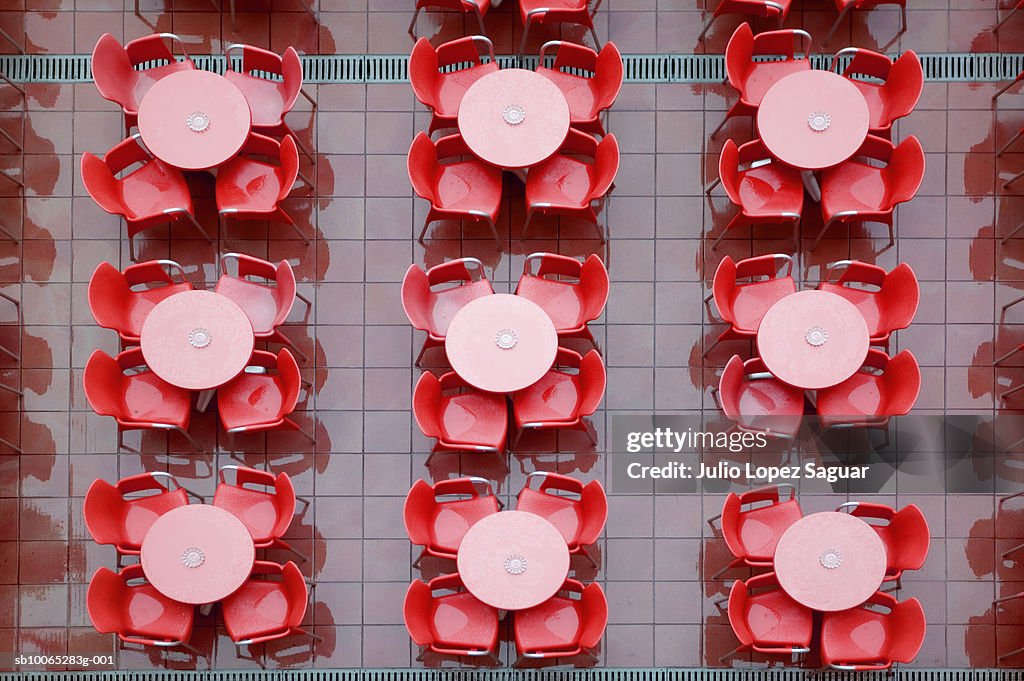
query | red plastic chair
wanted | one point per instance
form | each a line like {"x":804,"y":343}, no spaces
{"x":753,"y":522}
{"x":457,"y":189}
{"x":152,"y":194}
{"x":431,"y":310}
{"x":883,"y":388}
{"x":844,"y":7}
{"x":572,"y":293}
{"x":578,"y":511}
{"x":588,"y":95}
{"x":460,"y":417}
{"x":751,"y":76}
{"x":116,"y":72}
{"x":858,"y":191}
{"x":556,"y":12}
{"x":873,"y":635}
{"x":757,"y":402}
{"x":744,"y":291}
{"x":116,"y":303}
{"x":888,"y":300}
{"x":252,"y":189}
{"x":267,"y":609}
{"x":438,"y":517}
{"x":904,"y":532}
{"x":894,"y":86}
{"x":571,"y":181}
{"x":137,"y":613}
{"x":777,"y":9}
{"x":452,"y":623}
{"x":765,"y":190}
{"x":262,"y":397}
{"x":569,"y":623}
{"x":477,"y":8}
{"x":766,"y":620}
{"x":269,"y":99}
{"x":440,"y":77}
{"x":114,"y":517}
{"x":266,"y":293}
{"x":266,"y":506}
{"x":140,"y":400}
{"x":562,"y":399}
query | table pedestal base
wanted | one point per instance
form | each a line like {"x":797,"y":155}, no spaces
{"x":811,"y":184}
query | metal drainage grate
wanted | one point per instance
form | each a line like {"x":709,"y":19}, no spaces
{"x":639,"y":68}
{"x":529,"y":675}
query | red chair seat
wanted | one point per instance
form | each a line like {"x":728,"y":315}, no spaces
{"x":877,"y":106}
{"x":258,"y":301}
{"x":763,"y":75}
{"x":760,"y":528}
{"x":141,"y":513}
{"x":563,"y":303}
{"x":265,"y":98}
{"x":562,"y":181}
{"x":859,"y":395}
{"x":153,"y":615}
{"x":771,"y":404}
{"x":145,"y":79}
{"x":865,"y":301}
{"x":254,"y":508}
{"x":552,"y":398}
{"x":856,"y":635}
{"x":248,"y":185}
{"x":250,"y":399}
{"x":462,"y":621}
{"x":258,"y":608}
{"x":144,"y":301}
{"x":149,"y":398}
{"x":526,"y":6}
{"x":771,"y":189}
{"x":478,"y":418}
{"x":554,"y":624}
{"x":469,"y":185}
{"x":580,"y":93}
{"x":452,"y":86}
{"x":562,"y":512}
{"x":149,"y":190}
{"x":751,"y":301}
{"x":444,"y":305}
{"x":452,"y":520}
{"x":776,"y":620}
{"x":858,"y":187}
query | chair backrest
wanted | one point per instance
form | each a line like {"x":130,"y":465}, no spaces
{"x":103,"y":381}
{"x":904,"y":85}
{"x":594,"y":506}
{"x":296,"y":592}
{"x":594,"y":607}
{"x":418,"y":612}
{"x":426,"y":404}
{"x":606,"y":166}
{"x":289,"y":380}
{"x":592,"y":380}
{"x":148,"y":48}
{"x":113,"y":73}
{"x":284,"y":501}
{"x":905,"y":171}
{"x":288,"y":170}
{"x":418,"y":512}
{"x":594,"y":286}
{"x":905,"y":628}
{"x":608,"y":76}
{"x":911,"y":536}
{"x":109,"y":293}
{"x":729,"y":171}
{"x":739,"y":56}
{"x":103,"y":187}
{"x":291,"y":73}
{"x":901,"y":384}
{"x":732,"y":510}
{"x":103,"y":510}
{"x":723,"y":286}
{"x":105,"y":601}
{"x":423,"y":73}
{"x":416,"y":297}
{"x":423,"y":167}
{"x":899,"y":297}
{"x":730,"y":387}
{"x":737,"y":610}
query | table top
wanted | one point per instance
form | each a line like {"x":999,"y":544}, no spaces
{"x":513,"y":118}
{"x":813,"y":119}
{"x":830,"y":561}
{"x":813,"y":339}
{"x":513,"y":560}
{"x":501,"y":343}
{"x":197,"y":554}
{"x":194,"y":120}
{"x":197,"y":340}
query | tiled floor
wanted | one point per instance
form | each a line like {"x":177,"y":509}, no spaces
{"x":364,"y":219}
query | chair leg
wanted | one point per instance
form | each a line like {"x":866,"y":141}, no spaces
{"x":1013,"y":179}
{"x":526,"y":224}
{"x":734,"y":563}
{"x":412,"y":24}
{"x":299,"y":232}
{"x":1012,"y":233}
{"x":1011,"y":391}
{"x":522,"y":43}
{"x":494,"y":232}
{"x":721,"y":236}
{"x":1006,"y":554}
{"x":714,"y":133}
{"x":1009,"y":143}
{"x":586,"y":554}
{"x":282,"y":544}
{"x":1004,"y":89}
{"x":131,"y":249}
{"x":597,"y":41}
{"x":10,"y":236}
{"x":824,"y":228}
{"x":732,"y":652}
{"x":233,"y":26}
{"x":10,"y":445}
{"x":198,"y":226}
{"x":279,"y":337}
{"x":717,"y":181}
{"x":1003,"y":21}
{"x":903,"y":18}
{"x":11,"y":390}
{"x":835,"y":24}
{"x":1007,"y":356}
{"x":703,"y":31}
{"x":423,"y":232}
{"x":191,"y":440}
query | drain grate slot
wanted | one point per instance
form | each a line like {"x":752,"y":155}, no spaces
{"x":639,"y":68}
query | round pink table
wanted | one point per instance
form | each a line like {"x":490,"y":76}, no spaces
{"x":830,"y":561}
{"x":194,"y":120}
{"x":501,"y":343}
{"x":197,"y":340}
{"x":197,"y":554}
{"x":813,"y":119}
{"x":513,"y":118}
{"x":513,"y":560}
{"x":813,"y":339}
